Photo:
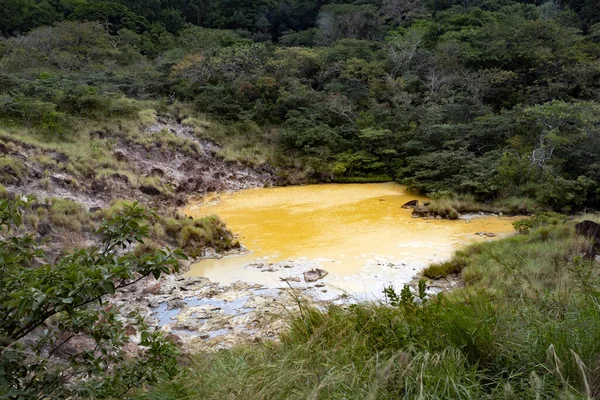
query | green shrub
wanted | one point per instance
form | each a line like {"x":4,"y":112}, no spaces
{"x":363,"y":179}
{"x":453,"y":266}
{"x":67,"y":298}
{"x":443,"y":208}
{"x":69,"y":215}
{"x":540,"y":219}
{"x":157,"y":183}
{"x":12,"y":170}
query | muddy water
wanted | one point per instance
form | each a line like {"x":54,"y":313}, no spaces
{"x":357,"y":232}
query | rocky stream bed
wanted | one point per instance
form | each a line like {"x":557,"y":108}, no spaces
{"x":206,"y":316}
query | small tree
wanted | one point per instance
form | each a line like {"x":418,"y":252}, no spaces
{"x":58,"y":336}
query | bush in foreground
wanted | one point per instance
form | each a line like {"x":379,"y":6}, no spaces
{"x":58,"y":336}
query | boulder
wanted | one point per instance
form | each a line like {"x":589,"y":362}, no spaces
{"x":119,"y":156}
{"x":154,"y":289}
{"x":411,"y":204}
{"x":62,"y":179}
{"x":176,"y":340}
{"x":314,"y":275}
{"x":120,"y":177}
{"x":589,"y":229}
{"x":60,"y":158}
{"x":420,"y":211}
{"x":98,"y":186}
{"x":44,"y":229}
{"x":9,"y":170}
{"x":130,"y":330}
{"x":157,"y":172}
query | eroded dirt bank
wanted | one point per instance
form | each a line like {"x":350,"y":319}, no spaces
{"x":163,"y":165}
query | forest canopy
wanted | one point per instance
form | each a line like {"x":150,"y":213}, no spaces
{"x":494,"y":98}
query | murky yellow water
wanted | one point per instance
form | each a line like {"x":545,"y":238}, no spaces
{"x":354,"y":231}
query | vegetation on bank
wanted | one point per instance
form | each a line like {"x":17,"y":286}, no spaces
{"x":70,"y":225}
{"x":525,"y":326}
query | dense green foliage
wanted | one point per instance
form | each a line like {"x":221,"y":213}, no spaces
{"x":494,"y":99}
{"x":48,"y":305}
{"x":539,"y":342}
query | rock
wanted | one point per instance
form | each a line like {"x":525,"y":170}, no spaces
{"x":157,"y":172}
{"x":314,"y":275}
{"x":420,"y":211}
{"x":154,"y":289}
{"x":589,"y":229}
{"x":20,"y":155}
{"x":176,"y":340}
{"x":44,"y":229}
{"x":3,"y":148}
{"x":185,"y":265}
{"x":290,"y":279}
{"x":150,"y":190}
{"x":11,"y":171}
{"x":130,"y":330}
{"x":120,"y":177}
{"x":98,"y":186}
{"x":60,"y":158}
{"x":61,"y":179}
{"x":119,"y":156}
{"x":411,"y":204}
{"x":438,"y":217}
{"x":95,"y":209}
{"x":487,"y":234}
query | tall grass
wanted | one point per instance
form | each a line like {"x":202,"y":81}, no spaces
{"x":525,"y":326}
{"x":452,"y":205}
